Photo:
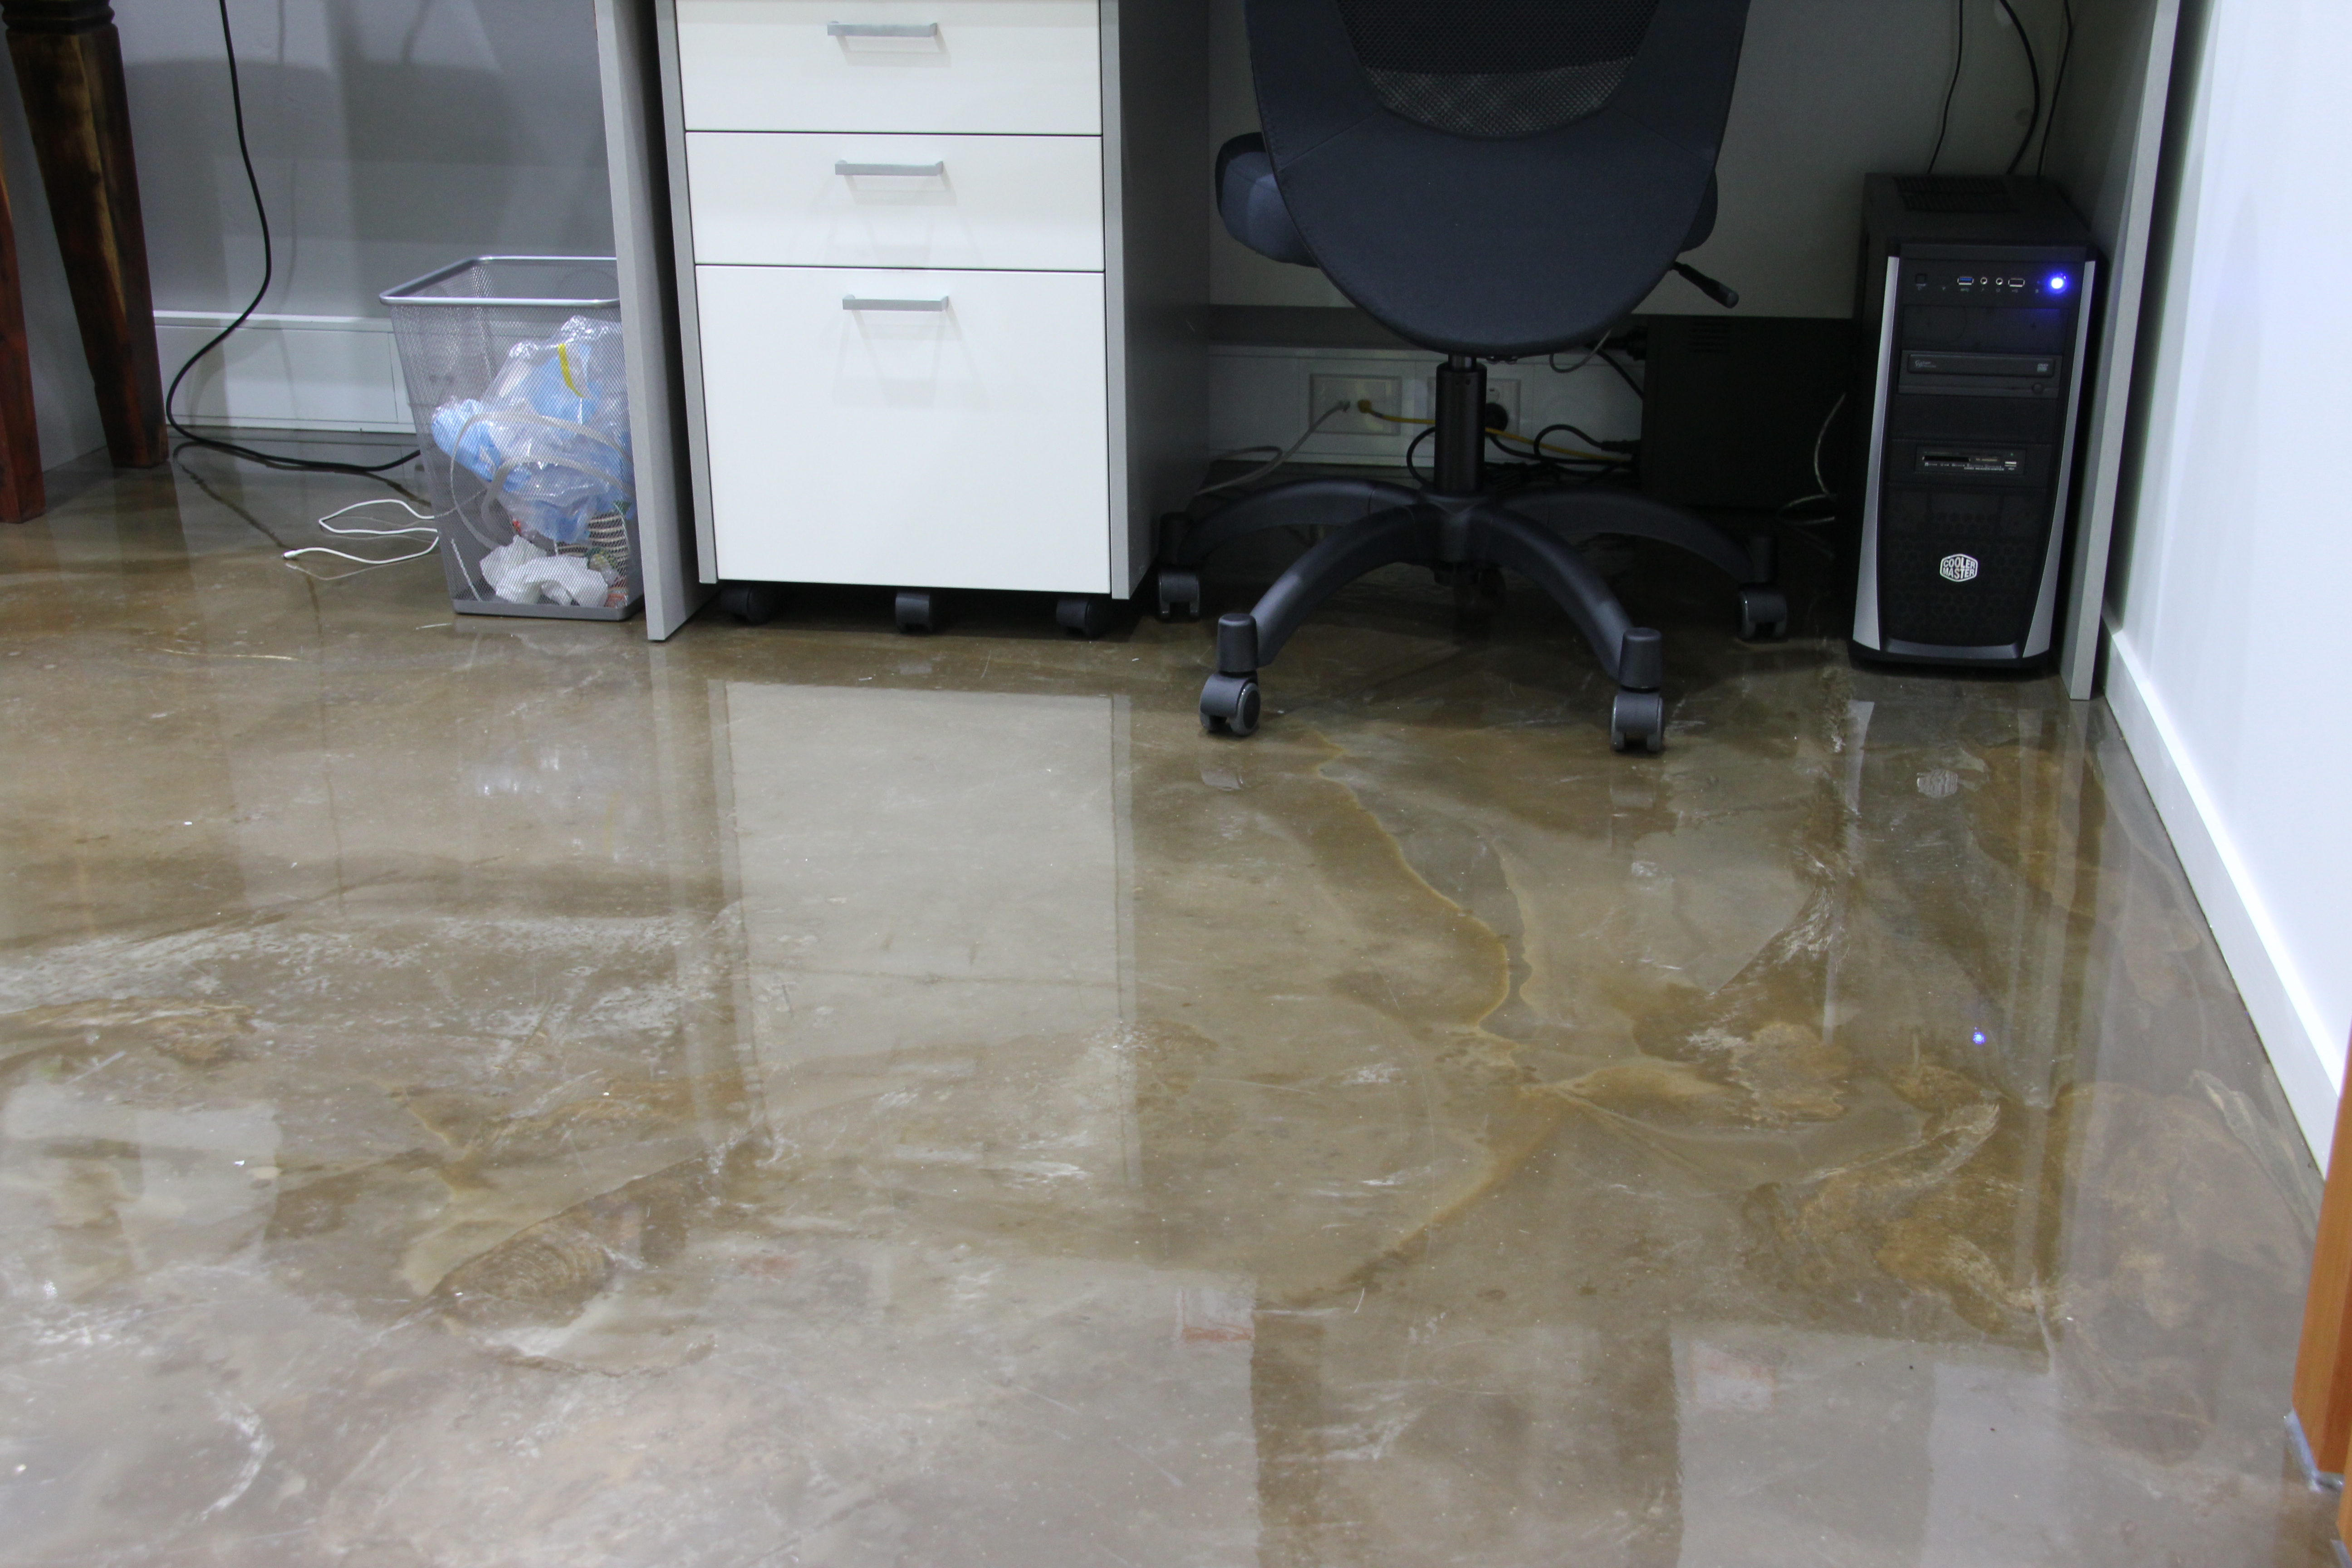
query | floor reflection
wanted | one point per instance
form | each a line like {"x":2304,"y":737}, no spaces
{"x":502,"y":1093}
{"x":924,"y":869}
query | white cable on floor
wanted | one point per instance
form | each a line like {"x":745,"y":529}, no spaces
{"x":1821,"y":486}
{"x":1558,"y":369}
{"x":365,"y":562}
{"x":1284,"y":456}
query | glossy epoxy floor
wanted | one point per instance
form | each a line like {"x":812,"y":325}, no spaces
{"x":502,"y":1093}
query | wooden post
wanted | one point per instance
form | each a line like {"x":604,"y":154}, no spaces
{"x":2343,"y":1519}
{"x":69,"y":68}
{"x":21,"y":495}
{"x":2323,"y":1362}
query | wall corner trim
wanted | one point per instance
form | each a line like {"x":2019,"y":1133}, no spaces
{"x":2304,"y":1051}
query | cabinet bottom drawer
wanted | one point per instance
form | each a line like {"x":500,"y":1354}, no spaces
{"x":935,"y":429}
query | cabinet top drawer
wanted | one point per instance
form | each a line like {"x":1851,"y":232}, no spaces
{"x":1007,"y":66}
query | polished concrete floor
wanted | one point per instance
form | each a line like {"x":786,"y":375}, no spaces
{"x":500,"y":1093}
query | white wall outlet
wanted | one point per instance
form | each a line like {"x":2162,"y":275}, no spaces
{"x":1385,"y":392}
{"x":1504,"y":390}
{"x":1261,"y":397}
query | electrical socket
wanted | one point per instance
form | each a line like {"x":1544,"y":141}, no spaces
{"x":1504,"y":390}
{"x":1385,"y":392}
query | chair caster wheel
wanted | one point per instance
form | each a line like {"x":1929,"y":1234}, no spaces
{"x":1763,"y":613}
{"x":1477,"y":589}
{"x":918,"y":611}
{"x":1180,"y":594}
{"x":1637,"y":719}
{"x":753,"y":603}
{"x":1229,"y":705}
{"x":1083,"y":615}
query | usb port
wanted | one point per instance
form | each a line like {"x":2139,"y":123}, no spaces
{"x":1950,"y":462}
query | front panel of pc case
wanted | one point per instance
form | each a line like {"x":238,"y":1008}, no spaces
{"x":1971,"y":399}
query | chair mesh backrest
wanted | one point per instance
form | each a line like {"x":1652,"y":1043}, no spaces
{"x":1496,"y":67}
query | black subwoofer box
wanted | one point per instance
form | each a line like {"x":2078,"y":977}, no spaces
{"x":1731,"y":405}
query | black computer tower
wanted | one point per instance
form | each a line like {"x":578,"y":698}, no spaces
{"x":1971,"y":331}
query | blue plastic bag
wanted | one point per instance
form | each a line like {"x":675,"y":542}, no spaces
{"x":549,"y":435}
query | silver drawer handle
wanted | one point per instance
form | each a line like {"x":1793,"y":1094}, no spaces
{"x":911,"y":170}
{"x":852,"y":302}
{"x":882,"y":29}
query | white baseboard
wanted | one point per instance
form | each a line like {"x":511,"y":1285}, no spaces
{"x":287,"y":373}
{"x":340,"y":373}
{"x":1260,"y":396}
{"x":2303,"y":1050}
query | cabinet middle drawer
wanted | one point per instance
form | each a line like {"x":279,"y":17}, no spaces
{"x":827,"y":199}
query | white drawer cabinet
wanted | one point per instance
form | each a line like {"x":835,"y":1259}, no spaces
{"x":853,"y":437}
{"x":826,"y":199}
{"x":998,"y":66}
{"x":942,"y":278}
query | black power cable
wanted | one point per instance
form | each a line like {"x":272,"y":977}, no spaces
{"x":1414,"y":445}
{"x":2033,"y":72}
{"x":1587,"y":437}
{"x":1960,"y":53}
{"x":2057,"y":85}
{"x":1586,"y":471}
{"x":1622,"y":374}
{"x":261,"y":213}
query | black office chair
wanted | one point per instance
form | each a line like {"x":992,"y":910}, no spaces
{"x":1491,"y":179}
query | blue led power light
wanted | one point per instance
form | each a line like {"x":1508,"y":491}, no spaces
{"x":2058,"y":282}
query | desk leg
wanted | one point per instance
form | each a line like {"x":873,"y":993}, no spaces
{"x":69,"y":68}
{"x":21,"y":495}
{"x":2323,"y":1362}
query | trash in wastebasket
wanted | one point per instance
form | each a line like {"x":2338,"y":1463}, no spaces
{"x":549,"y":434}
{"x":519,"y":573}
{"x":516,"y":372}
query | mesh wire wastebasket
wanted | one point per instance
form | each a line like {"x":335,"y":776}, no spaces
{"x":456,"y":330}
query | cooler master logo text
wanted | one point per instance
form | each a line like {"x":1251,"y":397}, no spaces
{"x":1957,"y":568}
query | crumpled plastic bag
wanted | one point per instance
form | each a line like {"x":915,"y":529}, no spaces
{"x":550,"y":433}
{"x":499,"y":563}
{"x":563,"y":579}
{"x":519,"y":573}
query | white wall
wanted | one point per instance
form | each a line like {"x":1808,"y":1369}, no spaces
{"x":2231,"y":663}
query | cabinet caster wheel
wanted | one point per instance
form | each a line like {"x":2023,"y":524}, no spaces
{"x":753,"y":603}
{"x":918,"y":611}
{"x":1763,"y":613}
{"x":1180,"y":594}
{"x":1083,"y":615}
{"x":1229,"y":705}
{"x":1637,"y":719}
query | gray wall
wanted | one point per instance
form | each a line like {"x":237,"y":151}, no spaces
{"x":390,"y":136}
{"x":393,"y":135}
{"x":1829,"y":90}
